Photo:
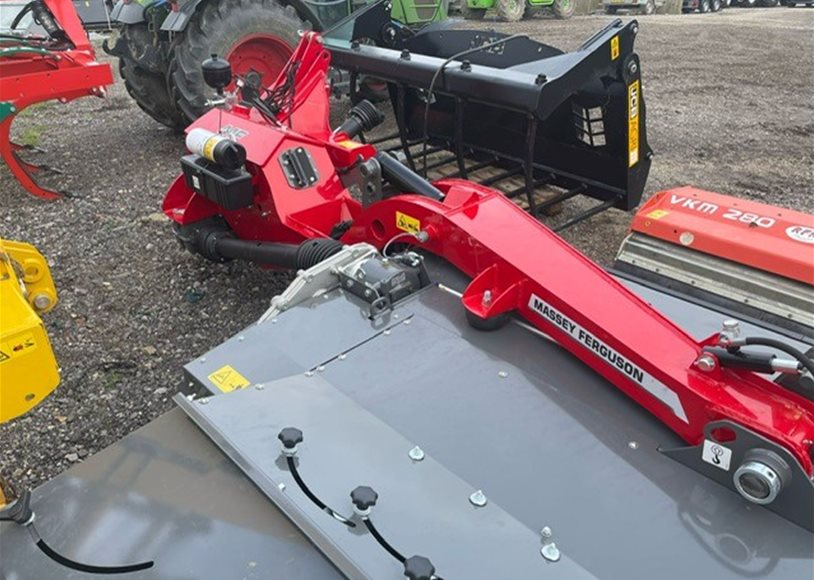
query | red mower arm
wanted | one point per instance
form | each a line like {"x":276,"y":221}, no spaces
{"x":588,"y":312}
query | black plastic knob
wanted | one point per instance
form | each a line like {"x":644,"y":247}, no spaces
{"x":290,"y":437}
{"x":364,"y":497}
{"x":418,"y":568}
{"x":20,"y":511}
{"x":217,"y":72}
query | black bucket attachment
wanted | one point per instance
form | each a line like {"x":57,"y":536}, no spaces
{"x":570,"y":121}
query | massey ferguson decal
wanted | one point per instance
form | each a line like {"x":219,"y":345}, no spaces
{"x":613,"y":358}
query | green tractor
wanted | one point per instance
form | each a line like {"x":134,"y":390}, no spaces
{"x":163,"y":43}
{"x":514,"y":10}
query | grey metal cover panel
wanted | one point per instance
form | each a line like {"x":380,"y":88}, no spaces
{"x":554,"y":444}
{"x":164,"y":493}
{"x":283,"y":346}
{"x":422,"y":509}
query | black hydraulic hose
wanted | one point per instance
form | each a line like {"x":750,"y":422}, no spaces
{"x":405,"y":179}
{"x":292,"y":467}
{"x":291,"y":256}
{"x":807,"y":363}
{"x":439,"y":71}
{"x":384,"y":543}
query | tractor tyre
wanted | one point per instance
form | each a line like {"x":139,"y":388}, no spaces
{"x":143,"y":79}
{"x":650,"y":7}
{"x":769,"y":3}
{"x":253,"y":35}
{"x":470,"y":13}
{"x":704,"y":6}
{"x":611,"y":9}
{"x":716,"y":5}
{"x":510,"y":10}
{"x":564,"y":9}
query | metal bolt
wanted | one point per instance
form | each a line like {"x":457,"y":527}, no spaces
{"x":386,"y":332}
{"x":259,"y":387}
{"x":478,"y":499}
{"x":502,"y":374}
{"x":633,"y":68}
{"x":203,"y":401}
{"x":42,"y":301}
{"x":342,"y":356}
{"x":733,"y":327}
{"x":320,"y":368}
{"x":202,"y":360}
{"x":407,"y":322}
{"x":416,"y":453}
{"x":545,"y":532}
{"x":281,"y":486}
{"x":309,"y":373}
{"x":274,"y":321}
{"x":540,"y":79}
{"x":706,"y":362}
{"x":241,"y":338}
{"x":633,"y":445}
{"x":550,"y":552}
{"x":487,"y":298}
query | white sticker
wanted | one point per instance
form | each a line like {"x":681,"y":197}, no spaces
{"x":613,"y":358}
{"x":716,"y":454}
{"x":196,"y":183}
{"x":801,"y":234}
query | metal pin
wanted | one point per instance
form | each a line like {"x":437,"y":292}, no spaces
{"x":416,"y":453}
{"x":633,"y":445}
{"x":502,"y":374}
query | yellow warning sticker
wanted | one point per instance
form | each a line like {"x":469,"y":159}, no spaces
{"x":633,"y":123}
{"x":227,"y":379}
{"x":614,"y":48}
{"x":348,"y":144}
{"x":407,"y":223}
{"x":17,"y":345}
{"x":657,"y":214}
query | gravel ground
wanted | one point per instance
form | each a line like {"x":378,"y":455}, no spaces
{"x":729,"y":101}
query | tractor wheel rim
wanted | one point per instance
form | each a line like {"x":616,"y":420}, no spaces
{"x":263,"y":53}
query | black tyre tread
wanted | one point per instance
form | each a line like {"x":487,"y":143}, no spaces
{"x":510,"y":10}
{"x":561,"y":12}
{"x":145,"y":87}
{"x":215,"y":28}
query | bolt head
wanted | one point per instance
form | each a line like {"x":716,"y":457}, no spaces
{"x":550,"y":552}
{"x":545,"y":532}
{"x":416,"y":453}
{"x":706,"y":362}
{"x":42,"y":301}
{"x":478,"y":499}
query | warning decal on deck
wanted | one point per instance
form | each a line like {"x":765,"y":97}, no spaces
{"x":614,"y":48}
{"x":633,"y":123}
{"x":407,"y":223}
{"x":227,"y":379}
{"x":716,"y":454}
{"x":3,"y":356}
{"x":613,"y":358}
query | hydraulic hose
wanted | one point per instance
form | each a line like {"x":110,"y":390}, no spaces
{"x":405,"y":179}
{"x":291,"y":256}
{"x":806,"y":362}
